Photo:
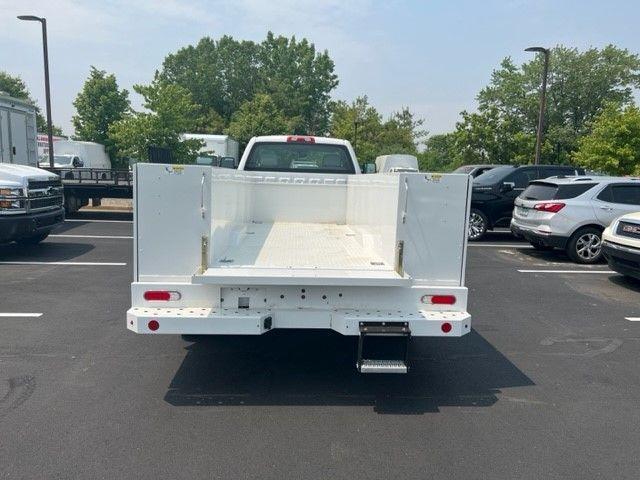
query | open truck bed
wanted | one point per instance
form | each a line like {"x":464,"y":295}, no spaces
{"x":220,"y":252}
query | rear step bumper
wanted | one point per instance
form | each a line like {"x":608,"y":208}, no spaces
{"x":217,"y":321}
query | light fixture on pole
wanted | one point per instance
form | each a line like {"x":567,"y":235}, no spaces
{"x":543,"y":94}
{"x":47,"y":90}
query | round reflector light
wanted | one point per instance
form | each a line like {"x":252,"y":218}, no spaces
{"x":446,"y":327}
{"x":153,"y":325}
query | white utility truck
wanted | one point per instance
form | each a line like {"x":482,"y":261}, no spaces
{"x":77,"y":154}
{"x":218,"y":146}
{"x":297,"y":238}
{"x":30,"y":199}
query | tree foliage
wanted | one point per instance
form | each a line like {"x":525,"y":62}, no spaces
{"x":222,"y":75}
{"x":259,"y":116}
{"x":171,"y":112}
{"x":613,"y":146}
{"x":99,"y":104}
{"x":373,"y":136}
{"x":580,"y":83}
{"x":16,"y":88}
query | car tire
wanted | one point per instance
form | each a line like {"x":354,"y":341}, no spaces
{"x":541,"y":247}
{"x":478,"y":225}
{"x":33,"y":240}
{"x":585,"y":246}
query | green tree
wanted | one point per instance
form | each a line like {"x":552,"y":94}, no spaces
{"x":299,"y":80}
{"x":98,"y":105}
{"x":222,"y":75}
{"x":580,"y":84}
{"x":259,"y":116}
{"x":401,"y":133}
{"x":171,"y":112}
{"x":613,"y":146}
{"x":16,"y":88}
{"x":438,"y":154}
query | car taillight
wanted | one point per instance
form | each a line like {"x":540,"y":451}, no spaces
{"x":301,"y":139}
{"x":553,"y":207}
{"x":161,"y":295}
{"x":438,"y":299}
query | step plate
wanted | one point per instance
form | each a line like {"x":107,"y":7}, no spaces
{"x":383,"y":366}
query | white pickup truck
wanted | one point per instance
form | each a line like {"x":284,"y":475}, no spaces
{"x":298,"y":238}
{"x":30,"y":199}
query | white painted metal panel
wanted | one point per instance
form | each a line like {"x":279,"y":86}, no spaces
{"x":172,"y":215}
{"x":432,"y":223}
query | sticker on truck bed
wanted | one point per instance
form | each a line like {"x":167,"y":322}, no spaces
{"x":175,"y":169}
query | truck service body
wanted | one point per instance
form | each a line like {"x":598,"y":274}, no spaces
{"x":298,"y":238}
{"x":30,"y":198}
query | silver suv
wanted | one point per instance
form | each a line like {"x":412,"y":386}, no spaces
{"x":570,"y":213}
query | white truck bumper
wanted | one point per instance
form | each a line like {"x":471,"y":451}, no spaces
{"x":220,"y":321}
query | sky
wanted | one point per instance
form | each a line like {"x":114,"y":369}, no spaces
{"x":431,"y":56}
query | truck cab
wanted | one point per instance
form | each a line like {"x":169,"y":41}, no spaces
{"x":299,"y":153}
{"x":31,"y":199}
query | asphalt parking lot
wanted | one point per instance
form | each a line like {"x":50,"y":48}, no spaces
{"x":546,"y":386}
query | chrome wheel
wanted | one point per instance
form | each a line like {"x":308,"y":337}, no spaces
{"x":588,"y":246}
{"x":477,"y":226}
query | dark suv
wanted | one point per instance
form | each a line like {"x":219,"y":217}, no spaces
{"x":495,"y":191}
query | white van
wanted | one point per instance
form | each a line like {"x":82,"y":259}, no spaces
{"x":396,"y":163}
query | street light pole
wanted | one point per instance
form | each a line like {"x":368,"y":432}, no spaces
{"x":47,"y":89}
{"x":543,"y":95}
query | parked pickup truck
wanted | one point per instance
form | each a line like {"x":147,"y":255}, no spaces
{"x":30,"y":203}
{"x":298,"y":238}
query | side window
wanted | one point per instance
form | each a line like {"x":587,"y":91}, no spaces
{"x":605,"y":195}
{"x":626,"y":194}
{"x":521,"y":178}
{"x":554,"y":172}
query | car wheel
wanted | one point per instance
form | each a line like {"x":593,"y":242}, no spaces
{"x":585,"y":246}
{"x":541,"y":247}
{"x":477,"y":225}
{"x":34,"y":240}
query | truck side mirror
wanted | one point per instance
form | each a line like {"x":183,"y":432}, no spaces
{"x":228,"y":162}
{"x":507,"y":187}
{"x":369,"y":168}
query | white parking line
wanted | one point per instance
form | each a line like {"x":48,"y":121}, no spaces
{"x":500,"y":245}
{"x":566,"y":271}
{"x":632,"y":319}
{"x":106,"y":264}
{"x":20,"y":315}
{"x":97,"y":221}
{"x":123,"y":237}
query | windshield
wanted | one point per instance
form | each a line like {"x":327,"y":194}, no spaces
{"x":63,"y":159}
{"x":494,"y":175}
{"x":296,"y":157}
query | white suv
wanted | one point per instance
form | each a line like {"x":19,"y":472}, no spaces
{"x":621,"y":245}
{"x":570,"y":213}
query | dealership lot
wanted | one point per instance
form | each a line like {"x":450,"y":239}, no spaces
{"x":546,"y":386}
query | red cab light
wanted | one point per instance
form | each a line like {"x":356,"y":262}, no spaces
{"x":301,"y":139}
{"x":443,"y":299}
{"x":153,"y":325}
{"x":446,"y":327}
{"x":553,"y":207}
{"x":161,"y":295}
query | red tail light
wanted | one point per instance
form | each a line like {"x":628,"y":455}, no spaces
{"x":153,"y":325}
{"x":446,"y":327}
{"x":553,"y":207}
{"x":161,"y":295}
{"x":443,"y":299}
{"x":301,"y":139}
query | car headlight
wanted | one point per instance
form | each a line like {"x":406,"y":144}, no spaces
{"x":11,"y":192}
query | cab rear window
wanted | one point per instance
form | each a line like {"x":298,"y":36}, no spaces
{"x":551,"y":191}
{"x":299,"y":157}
